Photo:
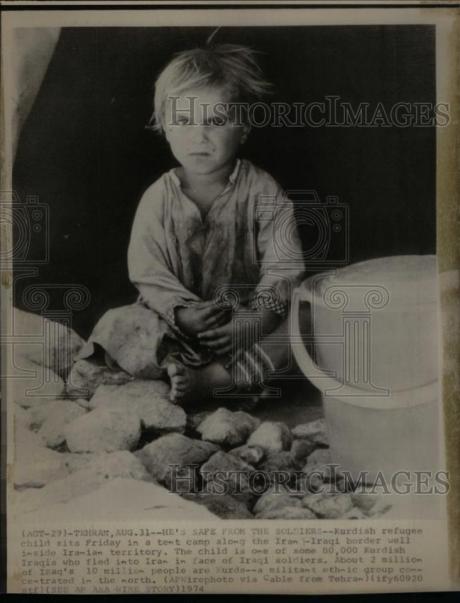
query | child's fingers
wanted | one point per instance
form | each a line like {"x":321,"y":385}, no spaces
{"x":225,"y":349}
{"x":214,"y":328}
{"x":212,"y":311}
{"x":211,"y":334}
{"x":216,"y":322}
{"x":217,"y":344}
{"x":216,"y":315}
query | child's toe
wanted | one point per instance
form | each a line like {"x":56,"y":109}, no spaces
{"x":180,"y":381}
{"x":173,"y":370}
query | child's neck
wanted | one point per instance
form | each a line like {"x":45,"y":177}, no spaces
{"x":204,"y":189}
{"x":202,"y":182}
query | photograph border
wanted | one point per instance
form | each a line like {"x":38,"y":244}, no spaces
{"x":447,"y":185}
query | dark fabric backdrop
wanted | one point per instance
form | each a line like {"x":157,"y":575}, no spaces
{"x":84,"y":150}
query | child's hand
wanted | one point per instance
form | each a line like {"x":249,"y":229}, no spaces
{"x":220,"y":340}
{"x":201,"y":317}
{"x":239,"y":331}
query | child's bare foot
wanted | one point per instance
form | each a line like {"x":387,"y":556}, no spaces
{"x":181,"y":379}
{"x":187,"y":383}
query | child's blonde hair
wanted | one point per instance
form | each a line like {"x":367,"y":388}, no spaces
{"x":231,"y":66}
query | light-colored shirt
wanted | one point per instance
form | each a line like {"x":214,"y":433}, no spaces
{"x":245,"y":251}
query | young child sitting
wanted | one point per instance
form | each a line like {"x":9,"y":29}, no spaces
{"x":214,"y":250}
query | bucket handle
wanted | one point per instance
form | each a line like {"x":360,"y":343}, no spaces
{"x":317,"y":376}
{"x":330,"y":387}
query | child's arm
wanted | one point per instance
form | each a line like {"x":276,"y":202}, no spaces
{"x":279,"y":253}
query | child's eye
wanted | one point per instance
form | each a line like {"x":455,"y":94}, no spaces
{"x":182,"y":121}
{"x":218,"y":121}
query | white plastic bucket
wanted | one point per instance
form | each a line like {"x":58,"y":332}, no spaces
{"x":390,"y":423}
{"x":375,"y":322}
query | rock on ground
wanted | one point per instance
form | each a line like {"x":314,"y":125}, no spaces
{"x":86,"y":376}
{"x":315,"y":431}
{"x":383,"y":504}
{"x":175,"y":455}
{"x":130,"y":335}
{"x":41,"y":412}
{"x":149,"y":399}
{"x":103,"y":430}
{"x":320,"y":456}
{"x":252,"y":455}
{"x":33,"y":384}
{"x":364,"y":499}
{"x":271,"y":436}
{"x":227,"y":428}
{"x":226,"y":474}
{"x":354,"y":513}
{"x":195,"y":419}
{"x":324,"y":473}
{"x":280,"y":462}
{"x":97,"y":471}
{"x":57,"y":345}
{"x":328,"y":507}
{"x":224,"y":506}
{"x":300,"y":449}
{"x":275,"y":498}
{"x":52,"y":429}
{"x":320,"y":470}
{"x":326,"y":477}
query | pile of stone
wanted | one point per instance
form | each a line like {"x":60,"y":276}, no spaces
{"x":93,"y":441}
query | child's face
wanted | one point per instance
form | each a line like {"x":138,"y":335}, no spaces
{"x":201,"y":138}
